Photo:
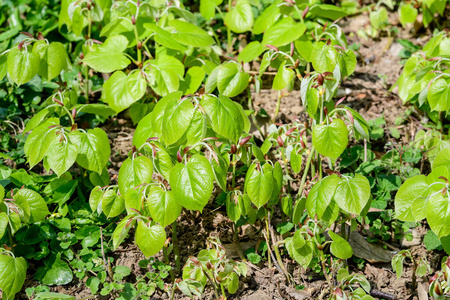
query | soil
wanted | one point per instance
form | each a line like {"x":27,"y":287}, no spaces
{"x":367,"y":91}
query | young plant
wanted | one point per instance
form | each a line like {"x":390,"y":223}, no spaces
{"x":211,"y":266}
{"x":420,"y":267}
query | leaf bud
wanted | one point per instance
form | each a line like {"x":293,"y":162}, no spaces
{"x":245,"y":140}
{"x":438,"y":289}
{"x":133,"y":20}
{"x":186,"y":150}
{"x":291,"y":53}
{"x":432,"y":279}
{"x":309,"y":232}
{"x":320,"y":79}
{"x":290,"y":131}
{"x":139,"y":45}
{"x":89,"y":5}
{"x":209,"y":266}
{"x":233,"y":149}
{"x":179,"y":157}
{"x":280,"y":141}
{"x":219,"y":279}
{"x":305,"y":12}
{"x":81,"y":55}
{"x":338,"y":292}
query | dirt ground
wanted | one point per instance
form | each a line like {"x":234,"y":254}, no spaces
{"x":366,"y":91}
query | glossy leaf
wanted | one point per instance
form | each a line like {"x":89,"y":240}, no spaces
{"x":324,"y":58}
{"x":121,"y":90}
{"x":37,"y":206}
{"x":259,"y":185}
{"x":22,"y":64}
{"x":164,"y":207}
{"x":240,"y":18}
{"x":150,"y":238}
{"x":321,"y":195}
{"x":12,"y":275}
{"x":191,"y":35}
{"x":193,"y":183}
{"x":112,"y":204}
{"x":108,"y":57}
{"x":283,"y":32}
{"x":330,"y":140}
{"x":415,"y":188}
{"x":340,"y":247}
{"x":134,"y":172}
{"x":61,"y":157}
{"x":231,"y":80}
{"x":93,"y":149}
{"x":53,"y":59}
{"x":352,"y":194}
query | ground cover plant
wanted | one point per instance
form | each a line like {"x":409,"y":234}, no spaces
{"x":209,"y":186}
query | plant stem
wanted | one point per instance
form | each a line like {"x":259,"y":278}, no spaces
{"x":324,"y":269}
{"x":277,"y":108}
{"x":223,"y":292}
{"x":233,"y":162}
{"x":250,"y":106}
{"x":305,"y":172}
{"x":176,"y":248}
{"x":139,"y":51}
{"x":414,"y":278}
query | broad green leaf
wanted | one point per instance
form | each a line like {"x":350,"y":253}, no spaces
{"x":283,"y":32}
{"x":53,"y":296}
{"x":133,"y":200}
{"x":192,"y":81}
{"x":61,"y":157}
{"x":121,"y":231}
{"x":299,"y":208}
{"x":303,"y":255}
{"x":95,"y":199}
{"x":283,"y":78}
{"x":220,"y":171}
{"x":240,"y":18}
{"x":379,"y":18}
{"x":4,"y":221}
{"x":438,"y":214}
{"x":164,"y":207}
{"x":150,"y":239}
{"x":53,"y":59}
{"x":233,"y":208}
{"x":165,"y":38}
{"x":439,"y":95}
{"x":407,"y":13}
{"x":340,"y":247}
{"x":102,"y":110}
{"x":347,"y":62}
{"x":177,"y":118}
{"x":12,"y":275}
{"x":442,"y":159}
{"x":2,"y":193}
{"x":120,"y":90}
{"x":37,"y":205}
{"x":330,"y":140}
{"x":324,"y":58}
{"x":108,"y":57}
{"x":352,"y":194}
{"x":298,"y":240}
{"x":112,"y":204}
{"x":93,"y":149}
{"x":134,"y":172}
{"x":231,"y":80}
{"x":55,"y":272}
{"x":224,"y":115}
{"x":259,"y":185}
{"x":197,"y":129}
{"x":3,"y":65}
{"x":251,"y":51}
{"x":247,"y":124}
{"x":328,"y":11}
{"x":415,"y":188}
{"x":321,"y":195}
{"x":233,"y":284}
{"x":208,"y":8}
{"x":22,"y":64}
{"x":36,"y":120}
{"x":268,"y":17}
{"x":193,"y":183}
{"x":190,"y":35}
{"x":144,"y":131}
{"x":40,"y":140}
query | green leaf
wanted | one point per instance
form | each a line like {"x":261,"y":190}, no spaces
{"x":38,"y":207}
{"x":36,"y":120}
{"x":259,"y":185}
{"x":192,"y":81}
{"x":93,"y":149}
{"x":330,"y":140}
{"x":415,"y":188}
{"x":352,"y":194}
{"x":438,"y":214}
{"x":120,"y":90}
{"x":283,"y":32}
{"x":40,"y":141}
{"x":208,"y":8}
{"x":233,"y":208}
{"x":22,"y":64}
{"x":193,"y":183}
{"x":4,"y":221}
{"x":283,"y":78}
{"x":12,"y":275}
{"x":53,"y":59}
{"x":121,"y":231}
{"x":231,"y":80}
{"x":268,"y":17}
{"x":144,"y":131}
{"x":150,"y":239}
{"x":164,"y":207}
{"x":197,"y":129}
{"x":240,"y":18}
{"x":298,"y":240}
{"x":112,"y":204}
{"x":379,"y":18}
{"x":54,"y":296}
{"x":134,"y":172}
{"x":324,"y":58}
{"x":95,"y":199}
{"x":55,"y":272}
{"x":340,"y":247}
{"x":251,"y":51}
{"x":233,"y":284}
{"x":165,"y":38}
{"x":347,"y":62}
{"x":439,"y":95}
{"x":321,"y":195}
{"x":3,"y":65}
{"x":328,"y":11}
{"x":224,"y":115}
{"x":303,"y":255}
{"x":109,"y":57}
{"x":177,"y":118}
{"x":407,"y":13}
{"x":190,"y":35}
{"x":61,"y":157}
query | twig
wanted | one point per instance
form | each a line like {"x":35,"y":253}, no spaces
{"x":108,"y":268}
{"x":380,"y":294}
